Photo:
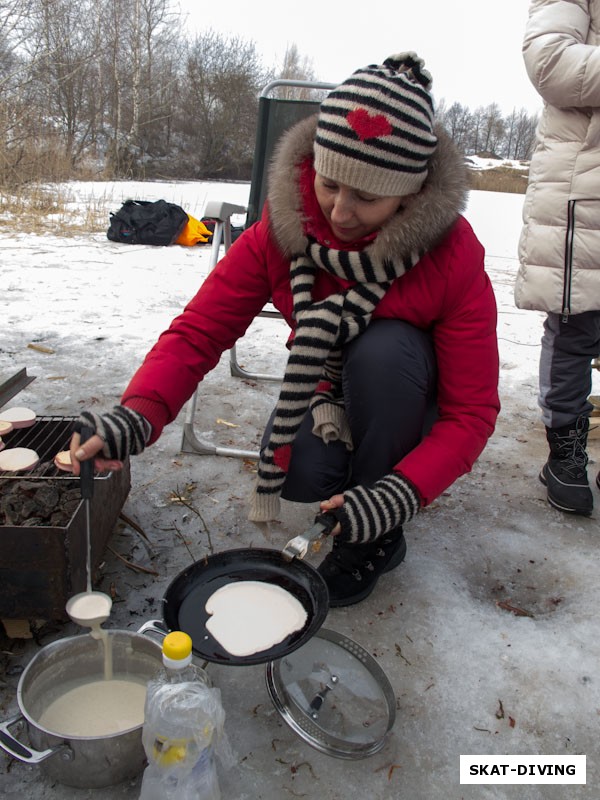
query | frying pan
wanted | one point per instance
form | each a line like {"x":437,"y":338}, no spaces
{"x":183,"y":605}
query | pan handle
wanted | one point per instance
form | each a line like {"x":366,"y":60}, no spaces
{"x":328,"y":520}
{"x":297,"y":547}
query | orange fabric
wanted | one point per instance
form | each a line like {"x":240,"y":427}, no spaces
{"x":194,"y":232}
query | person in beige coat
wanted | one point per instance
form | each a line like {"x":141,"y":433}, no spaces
{"x":559,"y":248}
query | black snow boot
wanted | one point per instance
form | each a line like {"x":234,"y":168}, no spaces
{"x":565,"y":474}
{"x":352,"y":570}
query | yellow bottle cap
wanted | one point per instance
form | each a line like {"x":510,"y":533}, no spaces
{"x":177,"y":645}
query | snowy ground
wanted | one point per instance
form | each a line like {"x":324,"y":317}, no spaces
{"x":470,"y":675}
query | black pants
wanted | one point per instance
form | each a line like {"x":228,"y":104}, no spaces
{"x":389,"y":384}
{"x":565,"y":367}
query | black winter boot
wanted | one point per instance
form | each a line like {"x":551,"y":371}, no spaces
{"x":352,"y":570}
{"x":565,"y":474}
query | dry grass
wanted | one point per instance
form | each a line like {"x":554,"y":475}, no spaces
{"x":41,"y":209}
{"x":499,"y":179}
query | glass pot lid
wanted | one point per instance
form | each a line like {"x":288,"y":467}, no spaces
{"x":334,"y":694}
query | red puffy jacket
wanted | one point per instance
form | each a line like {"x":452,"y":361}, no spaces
{"x":447,"y":293}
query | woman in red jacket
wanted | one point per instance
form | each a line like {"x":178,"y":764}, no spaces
{"x":390,"y":392}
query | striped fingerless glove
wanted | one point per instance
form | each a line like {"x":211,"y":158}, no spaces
{"x":125,"y":432}
{"x":369,"y":513}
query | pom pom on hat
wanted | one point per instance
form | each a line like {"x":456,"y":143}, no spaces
{"x":375,"y":130}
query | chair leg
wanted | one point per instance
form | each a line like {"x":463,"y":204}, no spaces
{"x":240,"y":372}
{"x":190,"y":443}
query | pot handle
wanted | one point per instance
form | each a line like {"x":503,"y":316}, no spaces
{"x":153,"y":626}
{"x":18,"y":750}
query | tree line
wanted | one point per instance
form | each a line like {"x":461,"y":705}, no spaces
{"x":487,"y":131}
{"x":121,"y":89}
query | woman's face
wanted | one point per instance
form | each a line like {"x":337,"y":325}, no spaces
{"x":351,"y":213}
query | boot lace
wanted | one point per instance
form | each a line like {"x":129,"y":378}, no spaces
{"x":569,"y":449}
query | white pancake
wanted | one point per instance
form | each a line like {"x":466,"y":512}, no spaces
{"x":16,"y":459}
{"x":62,"y":461}
{"x":5,"y":427}
{"x":18,"y":417}
{"x":251,"y":616}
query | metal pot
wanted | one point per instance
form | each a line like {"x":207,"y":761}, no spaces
{"x":81,"y":761}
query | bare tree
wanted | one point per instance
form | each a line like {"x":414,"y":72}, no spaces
{"x":521,"y":130}
{"x":143,"y":59}
{"x":135,"y":37}
{"x":457,"y":121}
{"x":12,"y":15}
{"x":477,"y":128}
{"x":164,"y":55}
{"x":65,"y":43}
{"x":493,"y":129}
{"x":219,"y":101}
{"x":154,"y":37}
{"x":296,"y":68}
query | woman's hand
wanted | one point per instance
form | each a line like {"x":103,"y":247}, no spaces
{"x":371,"y":512}
{"x":116,"y":436}
{"x":83,"y":452}
{"x":337,"y":501}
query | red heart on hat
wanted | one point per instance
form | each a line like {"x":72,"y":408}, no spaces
{"x":368,"y":126}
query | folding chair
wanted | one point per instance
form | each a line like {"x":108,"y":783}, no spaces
{"x":275,"y":116}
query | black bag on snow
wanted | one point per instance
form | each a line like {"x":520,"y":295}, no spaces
{"x":147,"y":222}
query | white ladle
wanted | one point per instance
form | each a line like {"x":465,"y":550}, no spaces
{"x":89,"y":609}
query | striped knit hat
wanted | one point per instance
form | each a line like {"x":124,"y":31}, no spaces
{"x":375,"y":130}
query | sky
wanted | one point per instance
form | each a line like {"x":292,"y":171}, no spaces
{"x":474,"y":60}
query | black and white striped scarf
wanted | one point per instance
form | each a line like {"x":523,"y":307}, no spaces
{"x":313,"y":373}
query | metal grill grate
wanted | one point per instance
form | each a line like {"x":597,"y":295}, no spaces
{"x":47,"y":436}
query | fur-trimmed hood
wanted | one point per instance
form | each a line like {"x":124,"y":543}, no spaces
{"x":417,"y":228}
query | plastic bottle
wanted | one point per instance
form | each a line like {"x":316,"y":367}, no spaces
{"x":183,"y":719}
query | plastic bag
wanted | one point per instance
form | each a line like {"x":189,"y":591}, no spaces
{"x":183,"y":731}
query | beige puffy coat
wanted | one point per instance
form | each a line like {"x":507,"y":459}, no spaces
{"x":559,"y":249}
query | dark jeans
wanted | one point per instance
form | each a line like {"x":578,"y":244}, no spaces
{"x":389,"y":384}
{"x":565,"y":367}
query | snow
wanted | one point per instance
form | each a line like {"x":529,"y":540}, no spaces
{"x":488,"y":632}
{"x":485,"y":162}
